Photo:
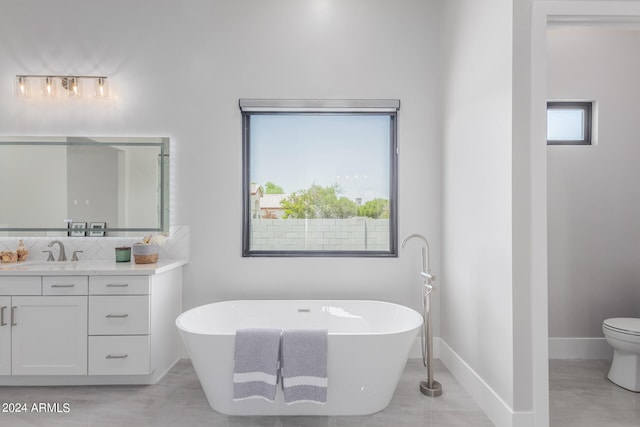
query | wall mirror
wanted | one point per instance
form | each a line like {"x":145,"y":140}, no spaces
{"x":83,"y":186}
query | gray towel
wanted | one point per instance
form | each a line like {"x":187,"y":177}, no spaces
{"x":304,"y":365}
{"x":255,"y":372}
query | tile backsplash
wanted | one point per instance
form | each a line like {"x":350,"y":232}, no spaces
{"x":99,"y":248}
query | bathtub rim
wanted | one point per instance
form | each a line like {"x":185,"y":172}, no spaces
{"x":418,"y":317}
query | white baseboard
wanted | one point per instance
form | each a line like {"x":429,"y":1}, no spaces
{"x":579,"y":348}
{"x":489,"y":401}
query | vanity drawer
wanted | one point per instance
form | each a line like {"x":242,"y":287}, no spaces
{"x":65,"y":285}
{"x":20,"y":285}
{"x":119,"y":285}
{"x":128,"y":355}
{"x":119,"y":315}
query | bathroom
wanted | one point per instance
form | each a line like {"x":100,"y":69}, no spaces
{"x":178,"y":69}
{"x":593,"y":206}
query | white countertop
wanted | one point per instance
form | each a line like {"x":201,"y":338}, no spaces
{"x":88,"y":268}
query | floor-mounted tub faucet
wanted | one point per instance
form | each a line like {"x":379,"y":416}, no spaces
{"x":430,"y":387}
{"x":62,"y":256}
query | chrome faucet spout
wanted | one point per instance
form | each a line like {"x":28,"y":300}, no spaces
{"x":62,"y":255}
{"x":426,"y":262}
{"x":410,"y":236}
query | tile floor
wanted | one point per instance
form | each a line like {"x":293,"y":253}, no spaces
{"x":581,"y":395}
{"x":178,"y":400}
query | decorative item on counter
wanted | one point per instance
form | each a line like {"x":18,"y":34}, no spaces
{"x":7,"y":257}
{"x":23,"y":252}
{"x":146,"y":252}
{"x":78,"y":229}
{"x":97,"y":229}
{"x":155,"y":239}
{"x":123,"y":254}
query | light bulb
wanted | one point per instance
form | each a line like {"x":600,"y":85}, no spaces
{"x":74,"y":86}
{"x":48,"y":87}
{"x":102,"y":89}
{"x":23,"y":87}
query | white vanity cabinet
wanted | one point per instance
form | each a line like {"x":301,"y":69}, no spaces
{"x":103,"y":327}
{"x":43,"y":334}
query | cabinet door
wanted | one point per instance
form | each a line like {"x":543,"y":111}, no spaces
{"x":49,"y":336}
{"x":5,"y":335}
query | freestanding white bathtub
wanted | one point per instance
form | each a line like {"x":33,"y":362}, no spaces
{"x":368,"y":346}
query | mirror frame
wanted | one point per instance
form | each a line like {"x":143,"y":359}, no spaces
{"x":161,"y":142}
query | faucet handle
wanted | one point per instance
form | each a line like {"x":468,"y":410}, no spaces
{"x":50,"y":257}
{"x":428,"y":276}
{"x":74,"y":257}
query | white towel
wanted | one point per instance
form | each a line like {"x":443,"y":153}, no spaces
{"x":255,"y":372}
{"x":304,"y":365}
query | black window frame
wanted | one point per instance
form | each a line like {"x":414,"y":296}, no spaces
{"x":319,"y":107}
{"x":587,"y":108}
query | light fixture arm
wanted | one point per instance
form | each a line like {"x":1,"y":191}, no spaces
{"x":53,"y":76}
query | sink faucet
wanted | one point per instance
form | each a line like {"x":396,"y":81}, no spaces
{"x":62,"y":256}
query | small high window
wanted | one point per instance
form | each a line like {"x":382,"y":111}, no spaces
{"x":569,"y":123}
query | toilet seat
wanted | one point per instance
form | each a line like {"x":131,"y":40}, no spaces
{"x":623,"y":325}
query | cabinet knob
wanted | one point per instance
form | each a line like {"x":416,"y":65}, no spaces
{"x":59,"y":285}
{"x":112,"y":316}
{"x":13,"y":316}
{"x":116,"y":356}
{"x":2,"y":309}
{"x":117,"y":285}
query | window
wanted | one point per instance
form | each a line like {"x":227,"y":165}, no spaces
{"x":320,"y":177}
{"x":569,"y":123}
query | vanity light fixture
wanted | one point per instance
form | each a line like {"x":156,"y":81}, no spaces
{"x":71,"y":84}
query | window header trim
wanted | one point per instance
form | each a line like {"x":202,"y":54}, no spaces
{"x":319,"y":105}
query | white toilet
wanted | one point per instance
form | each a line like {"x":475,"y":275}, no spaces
{"x":623,"y":334}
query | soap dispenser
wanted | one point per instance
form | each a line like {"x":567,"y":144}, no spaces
{"x":23,"y":252}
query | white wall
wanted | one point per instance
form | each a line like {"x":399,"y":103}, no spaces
{"x":177,"y":69}
{"x":593,"y":198}
{"x":477,"y":318}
